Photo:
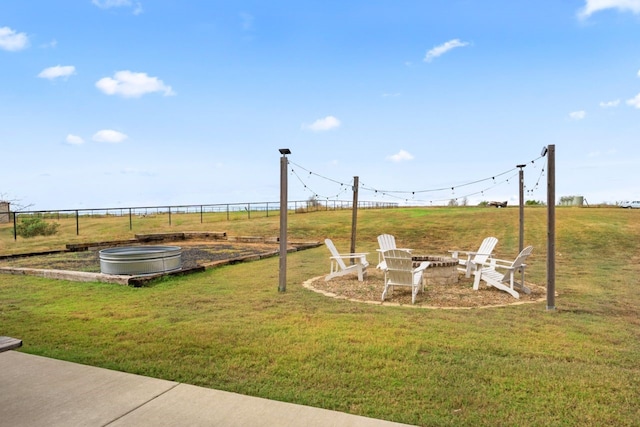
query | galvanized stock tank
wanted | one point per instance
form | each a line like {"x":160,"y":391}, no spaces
{"x":137,"y":260}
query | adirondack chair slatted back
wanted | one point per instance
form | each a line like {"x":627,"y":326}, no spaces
{"x":486,"y":248}
{"x":501,"y":275}
{"x":522,"y":257}
{"x":400,"y":272}
{"x":335,"y":253}
{"x":386,"y":242}
{"x":399,"y":267}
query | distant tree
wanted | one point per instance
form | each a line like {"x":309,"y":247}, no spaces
{"x":16,"y":205}
{"x":534,"y":203}
{"x":313,"y":203}
{"x":453,"y":202}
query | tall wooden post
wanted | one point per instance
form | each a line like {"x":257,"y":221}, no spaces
{"x":354,"y":215}
{"x":282,"y":286}
{"x":551,"y":227}
{"x":521,"y":179}
{"x":521,"y":238}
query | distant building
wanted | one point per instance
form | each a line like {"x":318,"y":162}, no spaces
{"x":572,"y":201}
{"x":4,"y":212}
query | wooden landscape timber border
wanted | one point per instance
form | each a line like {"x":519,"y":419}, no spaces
{"x":137,"y":281}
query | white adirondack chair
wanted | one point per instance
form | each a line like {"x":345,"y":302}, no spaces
{"x":400,"y":272}
{"x":474,"y":260}
{"x":386,"y":242}
{"x":338,"y":266}
{"x":504,"y":280}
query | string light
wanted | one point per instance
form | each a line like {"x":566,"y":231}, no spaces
{"x":398,"y":194}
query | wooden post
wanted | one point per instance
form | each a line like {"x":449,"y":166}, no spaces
{"x":282,"y":286}
{"x":551,"y":227}
{"x":521,"y":199}
{"x":521,"y":179}
{"x":354,"y":215}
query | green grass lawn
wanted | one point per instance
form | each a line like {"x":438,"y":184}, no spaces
{"x":230,"y":329}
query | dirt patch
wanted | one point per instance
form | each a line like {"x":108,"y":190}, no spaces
{"x":460,"y":295}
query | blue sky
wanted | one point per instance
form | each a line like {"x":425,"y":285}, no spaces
{"x":115,"y":103}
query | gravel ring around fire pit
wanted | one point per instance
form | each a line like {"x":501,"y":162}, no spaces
{"x":460,"y":295}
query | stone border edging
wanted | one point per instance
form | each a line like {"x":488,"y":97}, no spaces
{"x":141,"y":280}
{"x":308,"y":284}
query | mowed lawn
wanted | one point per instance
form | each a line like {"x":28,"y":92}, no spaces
{"x":230,"y":329}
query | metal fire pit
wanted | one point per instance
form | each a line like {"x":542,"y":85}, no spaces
{"x":137,"y":260}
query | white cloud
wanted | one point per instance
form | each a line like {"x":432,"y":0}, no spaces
{"x":52,"y":44}
{"x":443,"y":48}
{"x":11,"y":40}
{"x":599,"y":154}
{"x":74,"y":140}
{"x":635,"y":102}
{"x":247,"y":21}
{"x":609,"y":104}
{"x":57,"y":71}
{"x":400,"y":156}
{"x":138,"y":9}
{"x":593,"y":6}
{"x":320,"y":125}
{"x":638,"y":73}
{"x":578,"y":115}
{"x":132,"y":85}
{"x":108,"y":135}
{"x":108,"y":4}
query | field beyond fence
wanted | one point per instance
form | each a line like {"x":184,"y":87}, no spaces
{"x":151,"y":217}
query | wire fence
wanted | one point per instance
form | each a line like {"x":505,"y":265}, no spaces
{"x":204,"y":213}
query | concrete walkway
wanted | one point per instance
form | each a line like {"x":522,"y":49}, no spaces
{"x":38,"y":391}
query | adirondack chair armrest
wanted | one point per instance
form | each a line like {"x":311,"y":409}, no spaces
{"x":497,"y":262}
{"x":468,"y":254}
{"x":507,"y":265}
{"x":362,"y":256}
{"x":423,"y":266}
{"x":456,"y":253}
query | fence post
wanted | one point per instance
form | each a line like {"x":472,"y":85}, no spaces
{"x":130,"y":221}
{"x":15,"y":227}
{"x":169,"y":215}
{"x":77,"y":223}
